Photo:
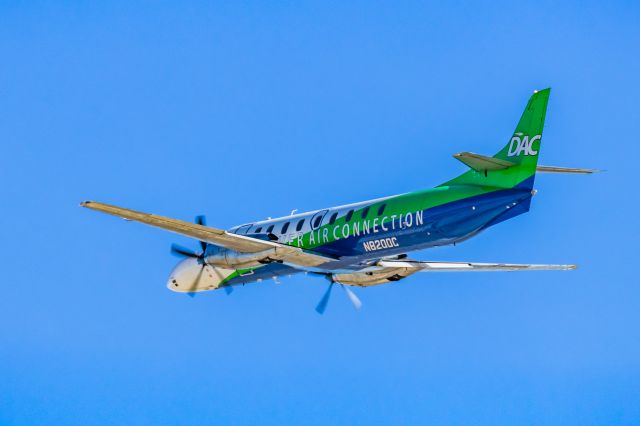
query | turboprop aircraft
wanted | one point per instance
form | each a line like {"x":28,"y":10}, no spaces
{"x":367,"y":243}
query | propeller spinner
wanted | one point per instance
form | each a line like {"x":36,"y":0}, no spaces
{"x":200,"y":257}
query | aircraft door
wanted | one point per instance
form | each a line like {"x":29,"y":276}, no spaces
{"x":316,"y":219}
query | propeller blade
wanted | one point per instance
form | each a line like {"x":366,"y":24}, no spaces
{"x":322,"y":305}
{"x":196,"y":282}
{"x":352,"y":297}
{"x":202,"y":220}
{"x":181,"y":251}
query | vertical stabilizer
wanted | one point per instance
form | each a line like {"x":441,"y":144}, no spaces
{"x":522,"y":149}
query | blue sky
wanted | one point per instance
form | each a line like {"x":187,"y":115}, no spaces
{"x":246,"y":110}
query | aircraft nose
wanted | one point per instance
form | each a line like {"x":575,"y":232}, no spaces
{"x":182,"y":275}
{"x":190,"y":276}
{"x":173,"y":284}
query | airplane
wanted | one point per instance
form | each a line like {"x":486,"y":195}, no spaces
{"x":367,"y":243}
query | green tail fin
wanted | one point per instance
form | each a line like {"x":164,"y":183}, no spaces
{"x":522,"y":150}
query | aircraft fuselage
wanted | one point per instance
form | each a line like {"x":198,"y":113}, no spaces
{"x":355,"y":233}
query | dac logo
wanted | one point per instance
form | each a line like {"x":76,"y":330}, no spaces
{"x":520,"y":144}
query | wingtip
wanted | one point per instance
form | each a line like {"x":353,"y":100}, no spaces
{"x":461,"y":154}
{"x":85,"y":203}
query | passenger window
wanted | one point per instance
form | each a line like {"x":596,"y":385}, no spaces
{"x":347,"y":218}
{"x":270,"y":229}
{"x":381,"y":209}
{"x":285,"y":227}
{"x":299,"y":226}
{"x":332,"y":219}
{"x":316,"y":221}
{"x":258,"y":229}
{"x":365,"y":212}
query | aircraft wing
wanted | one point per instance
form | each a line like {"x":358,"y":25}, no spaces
{"x":420,"y":266}
{"x":390,"y":270}
{"x":219,"y":237}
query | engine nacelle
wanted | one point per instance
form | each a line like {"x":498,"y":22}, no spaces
{"x":227,"y":258}
{"x":190,"y":276}
{"x":374,"y":277}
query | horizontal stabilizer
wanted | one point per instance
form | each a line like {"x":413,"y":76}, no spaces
{"x":553,"y":169}
{"x":482,"y":163}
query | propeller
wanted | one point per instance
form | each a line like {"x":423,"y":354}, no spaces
{"x":322,"y":305}
{"x":185,"y":252}
{"x":202,"y":221}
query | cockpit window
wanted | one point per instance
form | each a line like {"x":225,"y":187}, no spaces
{"x":270,"y":229}
{"x":258,"y":230}
{"x":243,"y":229}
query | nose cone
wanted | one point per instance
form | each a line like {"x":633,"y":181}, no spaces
{"x":187,"y":276}
{"x":190,"y":276}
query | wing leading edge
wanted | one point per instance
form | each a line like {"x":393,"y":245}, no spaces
{"x":219,"y":237}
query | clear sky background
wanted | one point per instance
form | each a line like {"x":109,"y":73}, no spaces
{"x":246,"y":110}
